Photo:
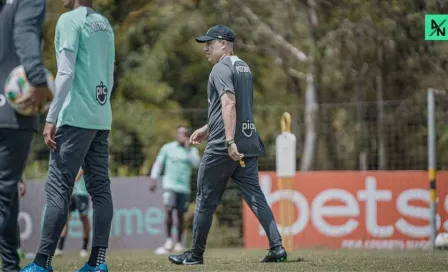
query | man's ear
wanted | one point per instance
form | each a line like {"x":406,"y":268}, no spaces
{"x":223,"y":44}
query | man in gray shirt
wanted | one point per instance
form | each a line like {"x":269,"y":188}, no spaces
{"x":21,"y":24}
{"x":232,"y":149}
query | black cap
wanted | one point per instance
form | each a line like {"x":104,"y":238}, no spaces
{"x":221,"y":32}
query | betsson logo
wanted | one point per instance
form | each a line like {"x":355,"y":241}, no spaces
{"x":350,"y":210}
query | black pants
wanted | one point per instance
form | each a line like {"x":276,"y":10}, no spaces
{"x":77,"y":147}
{"x":14,"y":149}
{"x":214,"y":172}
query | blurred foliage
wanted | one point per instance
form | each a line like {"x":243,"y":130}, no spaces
{"x":161,"y":73}
{"x":366,"y":51}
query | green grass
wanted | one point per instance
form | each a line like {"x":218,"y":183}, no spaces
{"x":248,"y":260}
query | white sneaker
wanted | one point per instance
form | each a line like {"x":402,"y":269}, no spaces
{"x":83,"y":253}
{"x":178,"y":248}
{"x":58,"y":252}
{"x":168,"y":244}
{"x":161,"y":251}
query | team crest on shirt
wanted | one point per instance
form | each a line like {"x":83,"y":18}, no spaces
{"x":101,"y":93}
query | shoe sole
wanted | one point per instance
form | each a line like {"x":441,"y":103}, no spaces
{"x":279,"y":260}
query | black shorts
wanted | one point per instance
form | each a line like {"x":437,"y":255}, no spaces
{"x":176,"y":201}
{"x":79,"y":203}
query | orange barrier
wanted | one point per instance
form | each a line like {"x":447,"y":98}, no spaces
{"x":348,"y":209}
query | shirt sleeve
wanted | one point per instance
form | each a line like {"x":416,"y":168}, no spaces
{"x":63,"y":82}
{"x":112,"y":68}
{"x":67,"y":35}
{"x":27,"y":33}
{"x":193,"y":157}
{"x":222,"y":79}
{"x":158,"y":164}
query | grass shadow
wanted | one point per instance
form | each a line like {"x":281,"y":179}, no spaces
{"x":298,"y":260}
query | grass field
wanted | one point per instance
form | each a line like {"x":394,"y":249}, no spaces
{"x":248,"y":260}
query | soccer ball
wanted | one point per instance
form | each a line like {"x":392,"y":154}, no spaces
{"x":17,"y":85}
{"x":442,"y":240}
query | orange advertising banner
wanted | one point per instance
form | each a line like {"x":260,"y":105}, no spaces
{"x":345,"y":209}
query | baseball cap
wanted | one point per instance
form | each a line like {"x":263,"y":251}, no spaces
{"x":221,"y":32}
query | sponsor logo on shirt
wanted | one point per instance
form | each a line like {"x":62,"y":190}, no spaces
{"x":248,"y":128}
{"x":101,"y":93}
{"x":242,"y":69}
{"x":99,"y":26}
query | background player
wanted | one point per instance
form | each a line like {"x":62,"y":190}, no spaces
{"x":81,"y":111}
{"x":231,"y":129}
{"x":176,"y":159}
{"x":78,"y":202}
{"x":21,"y":24}
{"x":22,"y":192}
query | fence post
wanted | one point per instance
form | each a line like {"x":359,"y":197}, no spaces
{"x":432,"y":164}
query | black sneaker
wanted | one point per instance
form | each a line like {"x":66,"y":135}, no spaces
{"x":276,"y":255}
{"x":187,"y":258}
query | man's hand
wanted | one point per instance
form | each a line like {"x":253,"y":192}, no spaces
{"x":233,"y":152}
{"x":199,"y":135}
{"x":49,"y":136}
{"x":37,"y":97}
{"x":153,"y":185}
{"x":22,"y":188}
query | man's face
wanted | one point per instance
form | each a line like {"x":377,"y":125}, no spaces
{"x":214,"y":50}
{"x":70,"y":4}
{"x":182,"y":135}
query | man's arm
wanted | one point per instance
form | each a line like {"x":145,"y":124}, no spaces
{"x":158,"y":164}
{"x":63,"y":82}
{"x":67,"y":42}
{"x":223,"y":81}
{"x":27,"y":32}
{"x":22,"y":187}
{"x":229,"y":114}
{"x":80,"y":174}
{"x":193,"y":157}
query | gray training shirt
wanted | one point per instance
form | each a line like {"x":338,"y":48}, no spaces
{"x":233,"y":75}
{"x":20,"y":35}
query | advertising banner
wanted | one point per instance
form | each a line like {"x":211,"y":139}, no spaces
{"x":344,"y":209}
{"x":138,"y":220}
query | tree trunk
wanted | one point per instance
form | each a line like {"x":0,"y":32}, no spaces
{"x":382,"y":155}
{"x":311,"y":108}
{"x":279,"y":40}
{"x":310,"y":124}
{"x":361,"y":122}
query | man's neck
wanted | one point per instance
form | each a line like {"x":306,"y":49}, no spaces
{"x":225,"y":55}
{"x":84,"y":4}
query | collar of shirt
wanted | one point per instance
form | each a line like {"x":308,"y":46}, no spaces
{"x":186,"y":148}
